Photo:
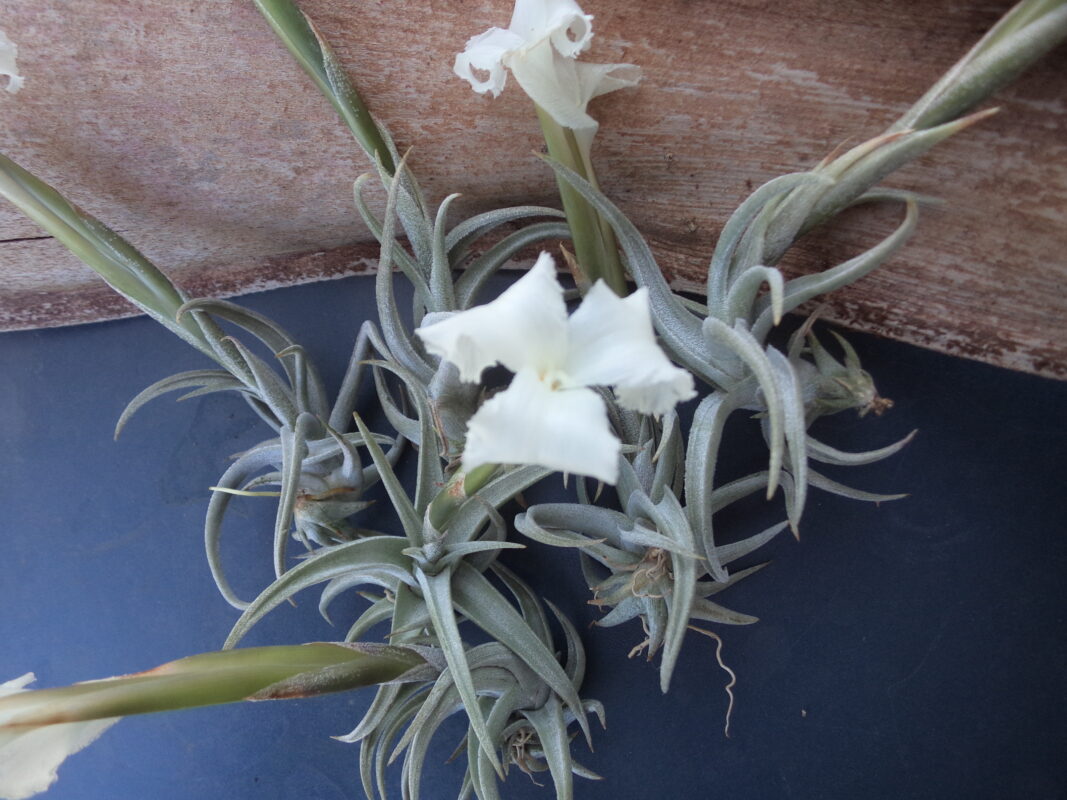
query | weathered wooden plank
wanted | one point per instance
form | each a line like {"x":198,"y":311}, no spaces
{"x":186,"y":127}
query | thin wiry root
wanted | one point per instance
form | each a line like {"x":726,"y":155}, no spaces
{"x":733,"y":678}
{"x":637,"y":648}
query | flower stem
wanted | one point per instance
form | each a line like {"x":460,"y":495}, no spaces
{"x":452,"y":495}
{"x":593,"y":237}
{"x":1021,"y":37}
{"x":229,"y":676}
{"x":310,"y":50}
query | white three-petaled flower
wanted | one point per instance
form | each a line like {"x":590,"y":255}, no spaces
{"x":540,"y":47}
{"x":31,"y":754}
{"x":548,"y":415}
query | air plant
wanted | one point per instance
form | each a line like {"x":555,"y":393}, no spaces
{"x":657,"y":557}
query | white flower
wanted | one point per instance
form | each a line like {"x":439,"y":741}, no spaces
{"x":548,"y":416}
{"x":540,"y":47}
{"x":8,"y":52}
{"x":31,"y":754}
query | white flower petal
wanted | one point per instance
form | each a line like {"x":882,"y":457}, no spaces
{"x":529,"y":423}
{"x":8,"y":52}
{"x":540,"y":47}
{"x":30,"y":756}
{"x":612,"y":343}
{"x":563,"y":87}
{"x":525,"y":327}
{"x":561,"y":21}
{"x":16,"y":684}
{"x":485,"y":53}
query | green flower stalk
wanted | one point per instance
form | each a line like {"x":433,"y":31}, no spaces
{"x":311,"y":51}
{"x":595,"y":249}
{"x":39,"y":729}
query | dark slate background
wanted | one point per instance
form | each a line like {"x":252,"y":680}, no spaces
{"x":910,"y":650}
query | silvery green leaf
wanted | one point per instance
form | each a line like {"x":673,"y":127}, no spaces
{"x":736,"y":490}
{"x":400,"y":344}
{"x":630,"y":608}
{"x":405,"y":511}
{"x":655,"y":616}
{"x":345,"y":402}
{"x":800,"y":290}
{"x":884,"y":194}
{"x":379,"y":611}
{"x":599,"y":524}
{"x":307,"y":385}
{"x":746,"y":288}
{"x":704,"y":609}
{"x":276,"y":338}
{"x":376,"y":552}
{"x":442,"y":292}
{"x":833,"y":487}
{"x":475,"y":275}
{"x":742,"y":342}
{"x":718,"y":281}
{"x":423,"y":729}
{"x":817,"y":451}
{"x":669,"y":459}
{"x":529,"y":605}
{"x":574,"y":666}
{"x":705,"y":437}
{"x":375,"y":749}
{"x":676,"y":324}
{"x":482,"y":604}
{"x":294,"y":448}
{"x":461,"y":237}
{"x":411,"y":210}
{"x":795,"y":429}
{"x":478,"y":763}
{"x":386,"y":696}
{"x":385,"y":577}
{"x":430,"y":476}
{"x":407,"y":264}
{"x":454,"y":402}
{"x":670,"y":520}
{"x":236,"y":475}
{"x":268,"y":386}
{"x":552,"y":733}
{"x":641,"y":536}
{"x":456,"y":552}
{"x":708,"y":588}
{"x":895,"y":151}
{"x":437,"y":591}
{"x":210,"y":380}
{"x":728,"y":553}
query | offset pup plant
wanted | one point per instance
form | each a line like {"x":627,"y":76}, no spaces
{"x":593,"y":395}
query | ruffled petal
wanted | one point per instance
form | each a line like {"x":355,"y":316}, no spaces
{"x":526,"y":327}
{"x":530,"y":423}
{"x":561,"y":21}
{"x":8,"y":52}
{"x":612,"y":343}
{"x":485,"y":53}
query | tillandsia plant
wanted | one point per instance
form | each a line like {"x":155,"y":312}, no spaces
{"x":593,"y":395}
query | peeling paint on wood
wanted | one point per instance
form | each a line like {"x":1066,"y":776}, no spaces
{"x":186,"y":127}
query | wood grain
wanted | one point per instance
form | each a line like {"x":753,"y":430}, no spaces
{"x":186,"y":127}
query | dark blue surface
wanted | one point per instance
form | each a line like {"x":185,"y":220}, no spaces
{"x":913,"y":650}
